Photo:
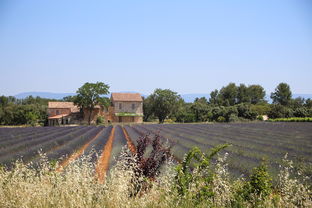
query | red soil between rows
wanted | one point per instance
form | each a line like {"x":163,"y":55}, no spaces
{"x":130,"y":144}
{"x":103,"y":162}
{"x":77,"y":154}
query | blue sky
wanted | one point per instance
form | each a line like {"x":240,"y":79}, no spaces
{"x":187,"y":46}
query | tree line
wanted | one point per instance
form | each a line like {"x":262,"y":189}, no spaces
{"x":33,"y":110}
{"x":28,"y":111}
{"x":230,"y":103}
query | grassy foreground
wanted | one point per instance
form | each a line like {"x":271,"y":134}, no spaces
{"x":207,"y":184}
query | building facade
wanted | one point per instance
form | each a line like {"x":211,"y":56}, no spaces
{"x":62,"y":113}
{"x":125,"y":107}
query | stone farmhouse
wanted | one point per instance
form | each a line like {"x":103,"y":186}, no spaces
{"x":125,"y":107}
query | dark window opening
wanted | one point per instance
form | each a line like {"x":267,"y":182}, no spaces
{"x":120,"y":106}
{"x":133,"y":106}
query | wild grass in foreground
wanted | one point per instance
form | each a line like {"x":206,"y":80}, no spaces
{"x":206,"y":184}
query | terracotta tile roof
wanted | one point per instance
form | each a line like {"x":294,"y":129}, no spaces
{"x":70,"y":105}
{"x":132,"y":97}
{"x":58,"y":116}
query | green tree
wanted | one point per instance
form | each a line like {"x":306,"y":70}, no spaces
{"x":164,"y":103}
{"x":200,"y":108}
{"x":70,"y":98}
{"x":256,"y":94}
{"x":214,"y":97}
{"x":31,"y":118}
{"x":308,"y":103}
{"x":228,"y":95}
{"x":89,"y":95}
{"x":4,"y":101}
{"x":184,"y":112}
{"x":296,"y":103}
{"x":243,"y":95}
{"x":147,"y":108}
{"x":282,"y":94}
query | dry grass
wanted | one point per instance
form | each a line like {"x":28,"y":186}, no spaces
{"x":78,"y":186}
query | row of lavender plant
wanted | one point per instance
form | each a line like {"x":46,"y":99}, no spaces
{"x":246,"y":152}
{"x":30,"y":133}
{"x":71,"y":146}
{"x":48,"y":144}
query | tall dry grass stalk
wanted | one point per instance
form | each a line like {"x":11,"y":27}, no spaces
{"x":29,"y":186}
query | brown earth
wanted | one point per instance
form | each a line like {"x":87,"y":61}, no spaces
{"x":131,"y":146}
{"x":77,"y":154}
{"x":103,"y":162}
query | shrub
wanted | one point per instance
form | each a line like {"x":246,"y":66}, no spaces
{"x":292,"y":191}
{"x":293,"y":119}
{"x":147,"y":167}
{"x":260,"y":118}
{"x":280,"y":111}
{"x":185,"y":117}
{"x":168,"y":121}
{"x":99,"y":120}
{"x":261,"y":109}
{"x":260,"y":182}
{"x":31,"y":118}
{"x":233,"y":118}
{"x":194,"y":179}
{"x":245,"y":111}
{"x":301,"y":112}
{"x":221,"y":119}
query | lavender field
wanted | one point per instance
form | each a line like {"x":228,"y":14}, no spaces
{"x":88,"y":175}
{"x":250,"y":142}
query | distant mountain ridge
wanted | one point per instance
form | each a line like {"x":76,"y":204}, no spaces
{"x":49,"y":95}
{"x":187,"y":97}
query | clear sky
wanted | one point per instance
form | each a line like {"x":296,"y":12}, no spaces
{"x":187,"y":46}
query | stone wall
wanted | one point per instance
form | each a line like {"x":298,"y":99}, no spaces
{"x":58,"y":111}
{"x":129,"y":119}
{"x":127,"y":107}
{"x":95,"y":113}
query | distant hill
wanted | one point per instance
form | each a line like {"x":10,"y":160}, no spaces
{"x":51,"y":95}
{"x":43,"y":95}
{"x":305,"y":96}
{"x":187,"y":97}
{"x":192,"y":97}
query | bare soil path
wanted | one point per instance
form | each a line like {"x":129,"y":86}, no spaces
{"x":103,"y":162}
{"x":130,"y":144}
{"x":78,"y":153}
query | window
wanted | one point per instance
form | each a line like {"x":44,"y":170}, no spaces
{"x":57,"y":112}
{"x":133,"y":106}
{"x":120,"y":106}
